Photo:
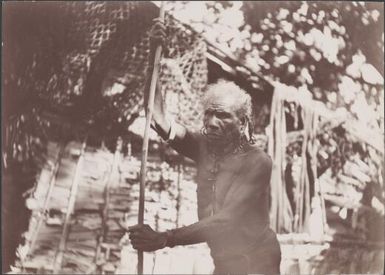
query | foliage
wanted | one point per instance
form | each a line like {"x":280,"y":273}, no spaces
{"x":330,"y":48}
{"x":317,"y":45}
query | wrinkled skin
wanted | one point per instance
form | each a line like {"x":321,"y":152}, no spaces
{"x":223,"y":126}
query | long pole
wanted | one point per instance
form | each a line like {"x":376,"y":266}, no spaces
{"x":150,"y":107}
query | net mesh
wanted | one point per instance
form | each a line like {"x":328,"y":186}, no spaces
{"x":92,"y":57}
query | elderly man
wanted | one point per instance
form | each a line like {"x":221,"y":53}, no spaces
{"x":232,"y":184}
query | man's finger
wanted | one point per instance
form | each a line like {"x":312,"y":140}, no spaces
{"x":134,"y":228}
{"x":158,"y":33}
{"x":138,"y":234}
{"x":137,"y":242}
{"x":134,"y":234}
{"x":158,"y":28}
{"x":141,"y":243}
{"x":138,"y":228}
{"x":137,"y":247}
{"x":159,"y":40}
{"x":159,"y":25}
{"x":147,"y":247}
{"x":139,"y":237}
{"x":158,"y":19}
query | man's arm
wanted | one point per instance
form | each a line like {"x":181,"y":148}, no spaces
{"x":247,"y":188}
{"x":160,"y":124}
{"x":182,"y":140}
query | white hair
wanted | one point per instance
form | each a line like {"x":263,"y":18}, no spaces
{"x":240,"y":98}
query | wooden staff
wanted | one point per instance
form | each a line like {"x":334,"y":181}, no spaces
{"x":150,"y":107}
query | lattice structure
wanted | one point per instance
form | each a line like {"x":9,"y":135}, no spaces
{"x":88,"y":61}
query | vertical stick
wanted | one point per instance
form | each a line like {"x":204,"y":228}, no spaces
{"x":70,"y":209}
{"x":52,"y":182}
{"x":272,"y":145}
{"x":178,"y":198}
{"x":317,"y":185}
{"x":150,"y":106}
{"x":107,"y":188}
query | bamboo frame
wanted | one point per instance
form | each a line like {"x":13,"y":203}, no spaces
{"x":277,"y":141}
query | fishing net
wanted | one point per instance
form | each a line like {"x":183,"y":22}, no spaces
{"x":88,"y":61}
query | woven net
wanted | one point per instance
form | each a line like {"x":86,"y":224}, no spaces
{"x":90,"y":59}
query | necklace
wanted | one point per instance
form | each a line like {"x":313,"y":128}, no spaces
{"x":216,"y":160}
{"x":225,"y":152}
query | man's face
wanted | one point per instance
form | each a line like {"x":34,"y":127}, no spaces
{"x":221,"y":120}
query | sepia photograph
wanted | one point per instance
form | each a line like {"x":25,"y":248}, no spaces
{"x":192,"y":137}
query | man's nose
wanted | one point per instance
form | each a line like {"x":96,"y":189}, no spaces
{"x":212,"y":127}
{"x":212,"y":124}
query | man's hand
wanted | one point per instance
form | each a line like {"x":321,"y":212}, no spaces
{"x":145,"y":239}
{"x":157,"y":34}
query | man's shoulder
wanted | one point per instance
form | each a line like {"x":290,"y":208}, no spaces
{"x":259,"y":158}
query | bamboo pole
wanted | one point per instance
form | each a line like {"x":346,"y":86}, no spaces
{"x":109,"y":182}
{"x":180,"y":171}
{"x":271,"y":151}
{"x":317,"y":185}
{"x":281,"y":160}
{"x":150,"y":107}
{"x":70,"y":209}
{"x":52,"y":182}
{"x":179,"y":197}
